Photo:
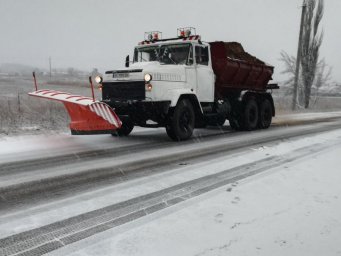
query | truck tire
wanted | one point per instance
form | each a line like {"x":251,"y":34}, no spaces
{"x":180,"y":125}
{"x":250,"y":115}
{"x":265,"y":114}
{"x":125,"y":130}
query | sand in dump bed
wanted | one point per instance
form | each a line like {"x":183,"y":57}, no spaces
{"x":235,"y":50}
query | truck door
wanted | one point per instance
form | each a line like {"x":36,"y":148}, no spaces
{"x":191,"y":74}
{"x":205,"y":75}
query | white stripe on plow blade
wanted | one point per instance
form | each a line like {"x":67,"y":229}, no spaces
{"x":108,"y":114}
{"x":104,"y":111}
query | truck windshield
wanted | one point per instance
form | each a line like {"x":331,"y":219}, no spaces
{"x":177,"y":54}
{"x":146,"y":54}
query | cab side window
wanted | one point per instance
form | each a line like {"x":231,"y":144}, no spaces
{"x":201,"y":55}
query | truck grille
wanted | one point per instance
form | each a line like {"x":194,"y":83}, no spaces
{"x":124,"y":91}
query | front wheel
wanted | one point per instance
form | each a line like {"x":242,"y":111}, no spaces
{"x":181,"y":123}
{"x":125,"y":130}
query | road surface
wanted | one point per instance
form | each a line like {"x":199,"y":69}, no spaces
{"x":58,"y":192}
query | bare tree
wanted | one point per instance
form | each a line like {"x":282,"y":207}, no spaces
{"x":311,"y":42}
{"x":322,"y":78}
{"x":290,"y":70}
{"x":323,"y":74}
{"x":289,"y":66}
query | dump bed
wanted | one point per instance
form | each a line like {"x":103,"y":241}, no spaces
{"x":237,"y":70}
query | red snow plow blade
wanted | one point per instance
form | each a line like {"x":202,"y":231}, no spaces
{"x":87,"y":116}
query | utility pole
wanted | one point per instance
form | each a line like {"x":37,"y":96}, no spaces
{"x":50,"y":62}
{"x":298,"y":59}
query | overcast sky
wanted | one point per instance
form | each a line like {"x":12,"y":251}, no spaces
{"x":100,"y":33}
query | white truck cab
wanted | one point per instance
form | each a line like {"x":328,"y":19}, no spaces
{"x":162,"y":72}
{"x":174,"y":67}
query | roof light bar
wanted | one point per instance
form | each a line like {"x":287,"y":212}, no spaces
{"x":152,"y":36}
{"x":186,"y":32}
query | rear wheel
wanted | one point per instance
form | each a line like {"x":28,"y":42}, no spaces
{"x":180,"y":125}
{"x":125,"y":130}
{"x":265,"y":114}
{"x":250,"y":117}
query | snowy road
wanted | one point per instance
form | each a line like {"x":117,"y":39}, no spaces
{"x":58,"y":192}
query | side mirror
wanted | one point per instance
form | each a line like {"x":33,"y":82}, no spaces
{"x":127,"y":61}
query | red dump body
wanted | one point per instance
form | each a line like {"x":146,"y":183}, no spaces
{"x":237,"y":70}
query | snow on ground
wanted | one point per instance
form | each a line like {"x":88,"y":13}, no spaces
{"x":290,"y":210}
{"x":309,"y":116}
{"x":50,"y":212}
{"x":27,"y":147}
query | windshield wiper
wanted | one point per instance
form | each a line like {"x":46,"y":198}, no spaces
{"x":172,"y":60}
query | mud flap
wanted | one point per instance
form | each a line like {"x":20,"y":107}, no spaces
{"x":87,"y":116}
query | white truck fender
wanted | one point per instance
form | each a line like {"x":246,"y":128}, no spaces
{"x":175,"y":95}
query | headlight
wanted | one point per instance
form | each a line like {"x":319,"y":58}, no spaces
{"x":98,"y":79}
{"x":148,"y":77}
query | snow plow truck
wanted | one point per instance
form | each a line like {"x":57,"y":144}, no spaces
{"x":179,"y":83}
